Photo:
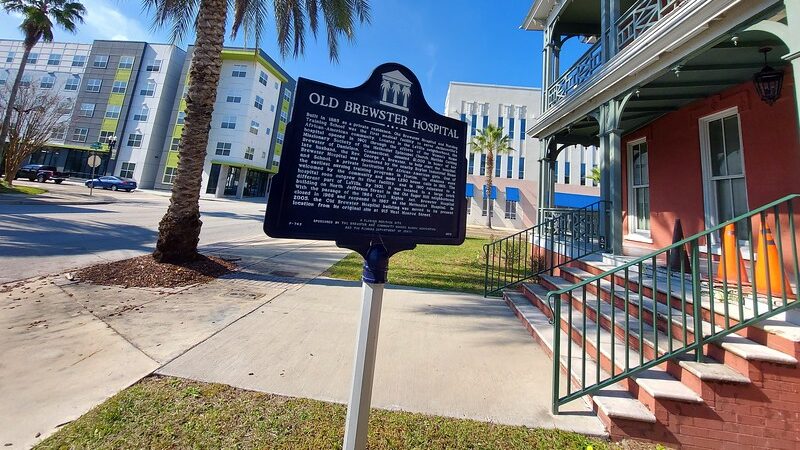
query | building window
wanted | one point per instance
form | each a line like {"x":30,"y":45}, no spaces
{"x":59,"y":132}
{"x":287,"y":94}
{"x":100,"y":62}
{"x":153,"y":66}
{"x":471,"y":169}
{"x":463,"y":117}
{"x":26,"y":80}
{"x":272,"y":108}
{"x":267,"y":130}
{"x":181,"y":118}
{"x":474,"y":123}
{"x":486,"y":207}
{"x":284,"y":116}
{"x":80,"y":134}
{"x":87,"y":110}
{"x":583,"y":174}
{"x":10,"y":57}
{"x":223,"y":149}
{"x":510,"y":168}
{"x":93,"y":85}
{"x":483,"y":164}
{"x":498,"y":162}
{"x":54,"y":59}
{"x":511,"y":128}
{"x":723,"y":169}
{"x":259,"y":103}
{"x":32,"y":58}
{"x":125,"y":62}
{"x":142,"y":115}
{"x":485,"y":121}
{"x":277,"y":85}
{"x":149,"y":89}
{"x":639,"y":181}
{"x":511,"y":209}
{"x":72,"y":83}
{"x":254,"y":127}
{"x":78,"y":60}
{"x":105,"y":136}
{"x":249,"y":153}
{"x":522,"y":128}
{"x":126,"y":171}
{"x":239,"y":71}
{"x":234,"y":99}
{"x":262,"y":78}
{"x":175,"y":144}
{"x":135,"y":140}
{"x":119,"y":87}
{"x":500,"y":121}
{"x":521,"y":168}
{"x":279,"y":138}
{"x":169,"y":174}
{"x":3,"y":78}
{"x":47,"y":82}
{"x":229,"y":123}
{"x":113,"y":111}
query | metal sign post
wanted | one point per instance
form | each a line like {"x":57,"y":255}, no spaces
{"x":376,"y":266}
{"x":93,"y":161}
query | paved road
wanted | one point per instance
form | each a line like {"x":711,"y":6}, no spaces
{"x":38,"y":239}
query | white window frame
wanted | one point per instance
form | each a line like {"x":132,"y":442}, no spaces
{"x":126,"y":169}
{"x":149,"y":89}
{"x":135,"y":140}
{"x":113,"y":112}
{"x":228,"y":123}
{"x":87,"y":112}
{"x":709,"y":197}
{"x":119,"y":87}
{"x":633,"y":231}
{"x":169,"y":175}
{"x":47,"y":82}
{"x":90,"y":84}
{"x":126,"y":62}
{"x":100,"y":62}
{"x":154,"y":66}
{"x":68,"y":86}
{"x":511,"y":210}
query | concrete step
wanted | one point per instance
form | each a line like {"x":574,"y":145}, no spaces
{"x":614,"y":401}
{"x":655,"y":381}
{"x":736,"y":344}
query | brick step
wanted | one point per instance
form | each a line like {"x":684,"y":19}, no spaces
{"x":672,"y":319}
{"x":778,"y":334}
{"x":683,"y":368}
{"x":611,"y":403}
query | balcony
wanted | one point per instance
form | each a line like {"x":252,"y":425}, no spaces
{"x":636,"y":21}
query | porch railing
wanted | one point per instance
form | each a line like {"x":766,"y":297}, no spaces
{"x":640,"y":17}
{"x":582,"y":70}
{"x":569,"y":235}
{"x":690,"y":289}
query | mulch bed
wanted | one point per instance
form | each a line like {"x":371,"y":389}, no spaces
{"x":144,"y":271}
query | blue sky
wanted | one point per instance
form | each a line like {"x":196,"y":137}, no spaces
{"x":440,"y":40}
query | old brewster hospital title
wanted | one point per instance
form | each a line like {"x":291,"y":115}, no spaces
{"x":395,"y":92}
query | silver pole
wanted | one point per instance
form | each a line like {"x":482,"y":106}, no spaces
{"x":355,"y":434}
{"x":91,"y":185}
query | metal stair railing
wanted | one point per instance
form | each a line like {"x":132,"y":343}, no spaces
{"x":570,"y":235}
{"x":742,"y":303}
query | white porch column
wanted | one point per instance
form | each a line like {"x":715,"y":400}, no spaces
{"x":611,"y":172}
{"x":223,"y":176}
{"x":242,"y":178}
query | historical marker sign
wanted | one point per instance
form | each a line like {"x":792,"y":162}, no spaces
{"x":369,"y":163}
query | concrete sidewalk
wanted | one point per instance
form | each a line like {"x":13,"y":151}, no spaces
{"x":275,"y":326}
{"x":439,"y":353}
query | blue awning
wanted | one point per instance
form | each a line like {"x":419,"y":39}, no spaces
{"x":512,"y":194}
{"x":470,"y":192}
{"x":494,"y":192}
{"x":564,"y":200}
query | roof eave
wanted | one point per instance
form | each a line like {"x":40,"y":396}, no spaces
{"x":536,"y":19}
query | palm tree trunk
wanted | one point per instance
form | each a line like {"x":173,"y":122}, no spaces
{"x":12,"y":98}
{"x":179,"y":229}
{"x":489,"y":174}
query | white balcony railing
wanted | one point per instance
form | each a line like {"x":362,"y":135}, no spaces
{"x":640,"y":17}
{"x":581,"y":71}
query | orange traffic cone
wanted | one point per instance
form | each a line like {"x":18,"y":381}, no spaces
{"x":731,"y":268}
{"x":767,"y":257}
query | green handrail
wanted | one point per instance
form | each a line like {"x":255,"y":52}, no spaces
{"x":700,"y":337}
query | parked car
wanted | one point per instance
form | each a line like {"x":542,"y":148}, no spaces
{"x":113,"y":183}
{"x":41,"y":173}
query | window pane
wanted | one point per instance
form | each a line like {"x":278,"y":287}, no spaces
{"x":717,"y":142}
{"x":642,"y":208}
{"x":732,"y":145}
{"x":724,"y":200}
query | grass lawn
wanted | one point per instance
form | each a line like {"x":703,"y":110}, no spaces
{"x":25,"y":190}
{"x":443,"y":267}
{"x":163,"y":412}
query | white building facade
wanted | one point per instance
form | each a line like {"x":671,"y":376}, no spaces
{"x":513,"y":203}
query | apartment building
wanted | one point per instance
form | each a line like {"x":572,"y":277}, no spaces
{"x":252,"y":108}
{"x":513,"y":201}
{"x":129,"y":97}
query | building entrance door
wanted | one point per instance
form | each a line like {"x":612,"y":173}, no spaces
{"x":232,"y":181}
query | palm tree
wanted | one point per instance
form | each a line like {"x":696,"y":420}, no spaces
{"x":179,"y":229}
{"x":492,"y":141}
{"x":37,"y":25}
